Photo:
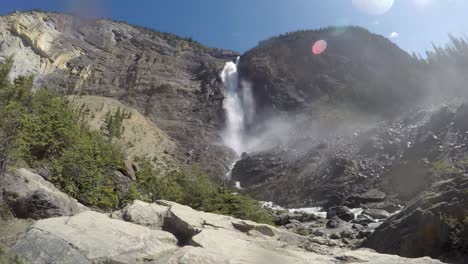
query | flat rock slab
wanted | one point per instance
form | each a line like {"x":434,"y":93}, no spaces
{"x":92,"y":237}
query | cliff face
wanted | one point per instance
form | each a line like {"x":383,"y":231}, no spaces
{"x":172,"y":81}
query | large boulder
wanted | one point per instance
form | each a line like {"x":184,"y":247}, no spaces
{"x":147,"y":214}
{"x":434,"y":224}
{"x":30,"y":196}
{"x":341,"y":212}
{"x":92,"y":237}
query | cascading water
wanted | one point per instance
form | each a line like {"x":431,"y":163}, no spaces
{"x":233,"y":108}
{"x":239,"y":109}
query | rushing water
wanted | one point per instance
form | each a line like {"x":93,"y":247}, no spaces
{"x":233,"y":108}
{"x":239,"y":109}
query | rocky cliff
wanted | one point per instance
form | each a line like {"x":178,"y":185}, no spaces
{"x":174,"y":82}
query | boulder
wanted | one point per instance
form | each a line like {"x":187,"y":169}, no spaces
{"x":30,"y":196}
{"x":147,"y":214}
{"x":433,"y":224}
{"x":370,"y":196}
{"x":286,"y":218}
{"x":385,"y":205}
{"x":335,"y":222}
{"x":91,"y":237}
{"x":129,"y":171}
{"x":341,"y":212}
{"x":363,"y":220}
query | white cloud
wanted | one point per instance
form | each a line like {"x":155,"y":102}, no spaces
{"x":394,"y":35}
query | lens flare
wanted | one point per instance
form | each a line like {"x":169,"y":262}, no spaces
{"x":319,"y":47}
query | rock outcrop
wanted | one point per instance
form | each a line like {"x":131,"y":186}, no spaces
{"x":30,"y":196}
{"x":434,"y":224}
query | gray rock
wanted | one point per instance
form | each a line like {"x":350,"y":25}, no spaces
{"x":363,"y":219}
{"x":371,"y":196}
{"x":341,"y":212}
{"x":147,"y":214}
{"x":433,"y":224}
{"x":334,"y":223}
{"x":30,"y":196}
{"x":129,"y":171}
{"x":286,"y":218}
{"x":91,"y":237}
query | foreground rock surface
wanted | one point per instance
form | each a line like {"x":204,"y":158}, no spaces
{"x":91,"y":237}
{"x":434,"y":224}
{"x":30,"y":196}
{"x":189,"y":236}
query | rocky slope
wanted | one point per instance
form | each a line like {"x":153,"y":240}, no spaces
{"x":173,"y":82}
{"x":379,"y":167}
{"x":434,"y":224}
{"x":164,"y":232}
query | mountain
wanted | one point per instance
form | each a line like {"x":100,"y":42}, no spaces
{"x":357,"y":68}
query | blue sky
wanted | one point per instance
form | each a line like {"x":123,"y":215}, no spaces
{"x":240,"y":24}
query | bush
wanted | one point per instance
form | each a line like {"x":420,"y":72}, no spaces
{"x":47,"y":130}
{"x":83,"y":170}
{"x":43,"y":130}
{"x":195,"y":189}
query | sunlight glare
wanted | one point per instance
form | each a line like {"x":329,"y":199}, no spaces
{"x":319,"y":47}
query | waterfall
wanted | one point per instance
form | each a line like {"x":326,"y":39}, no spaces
{"x":239,"y":108}
{"x":233,"y":108}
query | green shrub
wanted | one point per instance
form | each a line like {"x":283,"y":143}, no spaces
{"x":14,"y":101}
{"x":83,"y":170}
{"x":112,"y":127}
{"x":47,"y":130}
{"x":195,"y":189}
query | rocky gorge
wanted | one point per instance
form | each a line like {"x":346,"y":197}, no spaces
{"x":360,"y":133}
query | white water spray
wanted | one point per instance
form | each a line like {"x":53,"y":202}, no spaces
{"x":233,"y":108}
